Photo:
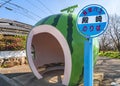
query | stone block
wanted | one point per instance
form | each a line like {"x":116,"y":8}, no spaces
{"x":8,"y":64}
{"x":98,"y":77}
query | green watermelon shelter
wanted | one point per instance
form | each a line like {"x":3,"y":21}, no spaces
{"x":55,"y":39}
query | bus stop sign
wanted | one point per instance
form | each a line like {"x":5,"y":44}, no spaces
{"x":92,"y":20}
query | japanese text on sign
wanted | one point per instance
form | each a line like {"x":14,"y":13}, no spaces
{"x":92,"y":20}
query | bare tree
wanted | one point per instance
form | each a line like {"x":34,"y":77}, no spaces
{"x":114,"y":30}
{"x":110,"y":40}
{"x":105,"y":42}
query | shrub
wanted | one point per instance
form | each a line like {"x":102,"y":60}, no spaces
{"x":12,"y":43}
{"x":110,"y":54}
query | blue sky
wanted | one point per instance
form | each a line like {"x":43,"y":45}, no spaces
{"x":32,"y":10}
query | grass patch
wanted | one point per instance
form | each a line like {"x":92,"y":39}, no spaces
{"x":110,"y":54}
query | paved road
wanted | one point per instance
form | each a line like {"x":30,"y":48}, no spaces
{"x":22,"y":74}
{"x":111,"y":70}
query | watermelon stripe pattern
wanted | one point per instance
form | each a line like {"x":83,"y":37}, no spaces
{"x":62,"y":25}
{"x":70,"y":32}
{"x":77,"y":55}
{"x":66,"y":24}
{"x":56,"y":20}
{"x":45,"y":20}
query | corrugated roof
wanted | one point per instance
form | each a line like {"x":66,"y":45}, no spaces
{"x":14,"y":27}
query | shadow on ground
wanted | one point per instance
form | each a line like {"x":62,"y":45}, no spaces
{"x":53,"y":78}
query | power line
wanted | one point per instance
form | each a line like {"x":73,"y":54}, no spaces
{"x":5,"y":3}
{"x":24,"y":9}
{"x":16,"y":10}
{"x":35,"y":6}
{"x":28,"y":16}
{"x":45,"y":6}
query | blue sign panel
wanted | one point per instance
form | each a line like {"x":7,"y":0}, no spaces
{"x":92,"y":20}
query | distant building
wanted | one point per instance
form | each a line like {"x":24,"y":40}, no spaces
{"x":11,"y":27}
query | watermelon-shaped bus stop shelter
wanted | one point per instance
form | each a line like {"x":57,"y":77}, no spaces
{"x":54,"y":43}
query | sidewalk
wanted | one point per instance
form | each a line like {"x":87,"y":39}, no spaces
{"x":15,"y":69}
